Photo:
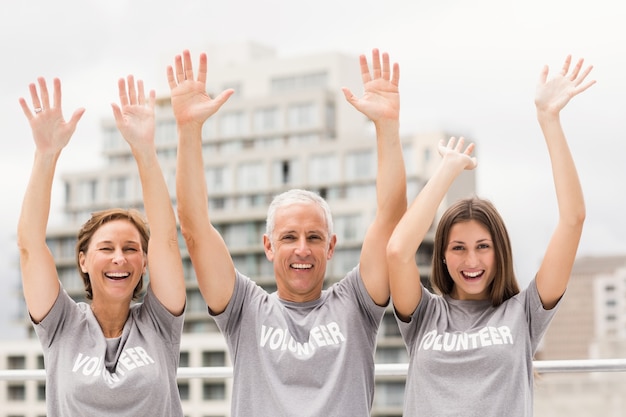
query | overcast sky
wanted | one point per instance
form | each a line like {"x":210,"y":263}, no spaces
{"x":467,"y":67}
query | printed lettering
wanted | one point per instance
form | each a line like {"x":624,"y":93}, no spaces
{"x":460,"y":341}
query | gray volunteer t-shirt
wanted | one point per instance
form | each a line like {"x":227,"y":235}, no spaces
{"x":132,"y":375}
{"x":469,"y":358}
{"x":302,"y":359}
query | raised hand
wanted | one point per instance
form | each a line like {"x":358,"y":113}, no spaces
{"x":381,"y":99}
{"x":190,"y":101}
{"x":50,"y":130}
{"x":552,"y":95}
{"x":453,"y":152}
{"x":135,"y":117}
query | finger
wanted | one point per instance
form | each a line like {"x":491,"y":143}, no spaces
{"x":223,"y":97}
{"x":34,"y":96}
{"x":57,"y":93}
{"x":188,"y":67}
{"x":376,"y":63}
{"x":117,"y":113}
{"x":442,"y":147}
{"x":43,"y":91}
{"x":395,"y":80}
{"x":348,"y":95}
{"x":576,"y":69}
{"x":180,"y":75}
{"x":365,"y":69}
{"x":459,"y":145}
{"x":132,"y":91}
{"x":470,"y":149}
{"x":25,"y":109}
{"x":141,"y":97}
{"x":582,"y":76}
{"x":566,"y":65}
{"x":451,"y":142}
{"x":170,"y":77}
{"x":121,"y":87}
{"x":75,"y":118}
{"x":543,"y":75}
{"x":585,"y":86}
{"x":152,"y":99}
{"x":385,"y":72}
{"x":202,"y":69}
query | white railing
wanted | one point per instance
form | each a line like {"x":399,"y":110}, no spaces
{"x":387,"y":369}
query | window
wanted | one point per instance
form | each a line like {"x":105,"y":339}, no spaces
{"x":251,"y":176}
{"x":266,"y":119}
{"x":41,"y":391}
{"x":233,"y":124}
{"x":389,"y":393}
{"x":119,"y":188}
{"x":195,"y":302}
{"x":183,"y":390}
{"x":389,"y":327}
{"x":347,"y":227}
{"x":360,"y":165}
{"x":392,"y":355}
{"x":183,"y":362}
{"x":213,"y":358}
{"x":302,"y":115}
{"x":16,"y":362}
{"x":284,"y":172}
{"x":323,"y":169}
{"x":165,"y":132}
{"x":16,"y":392}
{"x":217,"y":178}
{"x":214,"y":391}
{"x":314,"y":80}
{"x":87,"y":192}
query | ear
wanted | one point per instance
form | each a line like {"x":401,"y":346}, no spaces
{"x":81,"y":262}
{"x":145,"y":264}
{"x":267,"y":245}
{"x":331,"y":247}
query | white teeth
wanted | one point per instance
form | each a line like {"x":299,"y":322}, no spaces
{"x":472,"y":274}
{"x":301,"y":266}
{"x":117,"y":274}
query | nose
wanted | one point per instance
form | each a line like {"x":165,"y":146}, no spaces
{"x":302,"y":247}
{"x":118,"y":257}
{"x":471,"y":258}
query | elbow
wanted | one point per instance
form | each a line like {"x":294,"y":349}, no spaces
{"x":396,"y":252}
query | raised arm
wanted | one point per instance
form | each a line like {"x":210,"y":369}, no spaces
{"x":381,"y":104}
{"x":134,"y":117}
{"x":404,"y":275}
{"x":51,"y":133}
{"x":551,"y":96}
{"x":209,"y":255}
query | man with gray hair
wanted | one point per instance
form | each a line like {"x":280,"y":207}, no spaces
{"x":303,"y":350}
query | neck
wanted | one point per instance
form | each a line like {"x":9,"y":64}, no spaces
{"x":111,"y":318}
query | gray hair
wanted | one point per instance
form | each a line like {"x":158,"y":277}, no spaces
{"x":296,"y":196}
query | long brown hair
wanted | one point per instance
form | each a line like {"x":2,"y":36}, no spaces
{"x":100,"y":218}
{"x":504,"y":284}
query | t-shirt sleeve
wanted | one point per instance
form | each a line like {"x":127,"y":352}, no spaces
{"x":409,"y":329}
{"x":59,"y":316}
{"x":244,"y":290}
{"x":354,"y":281}
{"x":168,"y":325}
{"x":538,"y":317}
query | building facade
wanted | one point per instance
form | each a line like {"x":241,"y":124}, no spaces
{"x":288,"y":125}
{"x":590,"y":324}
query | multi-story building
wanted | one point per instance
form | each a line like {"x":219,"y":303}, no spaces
{"x":287,"y":126}
{"x":590,"y":324}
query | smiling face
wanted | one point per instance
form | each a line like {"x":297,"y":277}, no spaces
{"x":470,"y":260}
{"x":299,"y":247}
{"x":114,"y":261}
